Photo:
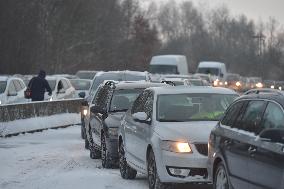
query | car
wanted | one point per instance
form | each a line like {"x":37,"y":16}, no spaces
{"x":61,"y":88}
{"x":233,"y":81}
{"x":111,"y":102}
{"x":11,"y":90}
{"x":86,"y":74}
{"x":246,"y":148}
{"x":97,"y":81}
{"x":176,"y":81}
{"x":81,"y":85}
{"x":165,"y":133}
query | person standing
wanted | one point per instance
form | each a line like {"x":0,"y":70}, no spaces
{"x":38,"y":86}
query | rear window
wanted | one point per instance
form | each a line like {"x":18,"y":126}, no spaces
{"x":81,"y":84}
{"x":52,"y":84}
{"x":3,"y":85}
{"x":211,"y":71}
{"x":163,"y":69}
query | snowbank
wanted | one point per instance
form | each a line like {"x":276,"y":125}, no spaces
{"x":38,"y":123}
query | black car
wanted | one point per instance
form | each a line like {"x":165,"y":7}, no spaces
{"x":109,"y":105}
{"x":98,"y":79}
{"x":246,"y":148}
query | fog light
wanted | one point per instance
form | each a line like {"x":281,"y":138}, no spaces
{"x":179,"y":172}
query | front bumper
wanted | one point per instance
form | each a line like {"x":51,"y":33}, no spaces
{"x":167,"y":162}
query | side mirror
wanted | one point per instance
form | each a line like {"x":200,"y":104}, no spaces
{"x":141,"y":117}
{"x":272,"y":135}
{"x":97,"y":109}
{"x":82,"y":94}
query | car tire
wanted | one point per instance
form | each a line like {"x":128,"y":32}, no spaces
{"x":106,"y":159}
{"x":126,"y":171}
{"x":221,"y":180}
{"x":86,"y":144}
{"x":95,"y":154}
{"x":153,"y":177}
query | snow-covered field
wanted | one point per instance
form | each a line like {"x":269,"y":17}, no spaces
{"x":56,"y":159}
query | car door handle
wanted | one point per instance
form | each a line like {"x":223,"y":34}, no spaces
{"x":227,"y":142}
{"x":252,"y":150}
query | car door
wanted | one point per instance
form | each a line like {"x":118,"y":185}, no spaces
{"x":60,"y":91}
{"x":142,"y":132}
{"x":19,"y":90}
{"x":234,"y":151}
{"x":96,"y":119}
{"x":130,"y":128}
{"x":266,"y":165}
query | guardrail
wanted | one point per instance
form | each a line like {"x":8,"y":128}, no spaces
{"x":36,"y":116}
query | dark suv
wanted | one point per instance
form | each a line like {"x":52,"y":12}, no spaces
{"x":246,"y":148}
{"x":109,"y":105}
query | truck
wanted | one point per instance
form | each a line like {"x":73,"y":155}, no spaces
{"x":169,"y":64}
{"x":217,"y":71}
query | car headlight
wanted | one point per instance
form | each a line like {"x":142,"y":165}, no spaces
{"x":216,"y":82}
{"x":51,"y":99}
{"x":272,"y":87}
{"x":112,"y":131}
{"x":259,"y":85}
{"x":177,"y":147}
{"x":238,"y":84}
{"x":280,"y":88}
{"x":85,"y":112}
{"x":0,"y":102}
{"x":226,"y":83}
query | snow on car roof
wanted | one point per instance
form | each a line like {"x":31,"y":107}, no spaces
{"x":191,"y":89}
{"x":124,"y":71}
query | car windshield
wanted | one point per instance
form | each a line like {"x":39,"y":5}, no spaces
{"x":81,"y":84}
{"x":192,"y":107}
{"x":52,"y":84}
{"x":86,"y":75}
{"x":211,"y":71}
{"x":163,"y":69}
{"x":233,"y":78}
{"x":2,"y":86}
{"x":122,"y":99}
{"x":116,"y":77}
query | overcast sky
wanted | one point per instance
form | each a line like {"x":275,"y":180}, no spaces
{"x":255,"y":9}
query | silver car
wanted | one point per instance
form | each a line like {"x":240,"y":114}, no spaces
{"x":165,"y":133}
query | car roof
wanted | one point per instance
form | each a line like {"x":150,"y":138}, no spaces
{"x":87,"y":80}
{"x":274,"y":96}
{"x":191,"y":89}
{"x":123,"y":72}
{"x":137,"y":85}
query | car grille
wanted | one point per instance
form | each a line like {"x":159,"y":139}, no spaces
{"x":202,"y":149}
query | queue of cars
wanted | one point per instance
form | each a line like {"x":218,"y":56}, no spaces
{"x":186,"y":134}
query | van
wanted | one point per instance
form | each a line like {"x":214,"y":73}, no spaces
{"x":169,"y":64}
{"x":215,"y":69}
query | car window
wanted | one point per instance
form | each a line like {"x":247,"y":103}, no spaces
{"x":81,"y":84}
{"x":273,"y":117}
{"x":3,"y":85}
{"x":138,"y":105}
{"x":52,"y":84}
{"x":148,"y":106}
{"x":232,"y":114}
{"x":123,"y":98}
{"x":251,"y":118}
{"x":102,"y":97}
{"x":22,"y":84}
{"x":12,"y":89}
{"x":65,"y":84}
{"x":17,"y":84}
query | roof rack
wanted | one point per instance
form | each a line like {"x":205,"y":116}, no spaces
{"x":263,"y":90}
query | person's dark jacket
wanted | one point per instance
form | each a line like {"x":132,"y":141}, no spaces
{"x":38,"y":86}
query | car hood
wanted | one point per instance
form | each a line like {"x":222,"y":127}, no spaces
{"x":194,"y":131}
{"x":113,"y":119}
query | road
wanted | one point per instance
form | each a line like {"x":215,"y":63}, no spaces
{"x":57,"y":159}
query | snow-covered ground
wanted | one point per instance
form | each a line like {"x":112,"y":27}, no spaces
{"x":57,"y":159}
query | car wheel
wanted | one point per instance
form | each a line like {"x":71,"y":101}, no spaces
{"x":221,"y":180}
{"x":95,"y":154}
{"x":126,"y":171}
{"x":106,"y":159}
{"x":86,"y":144}
{"x":153,"y":177}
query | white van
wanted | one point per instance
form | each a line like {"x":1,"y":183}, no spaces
{"x":216,"y":69}
{"x":169,"y":64}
